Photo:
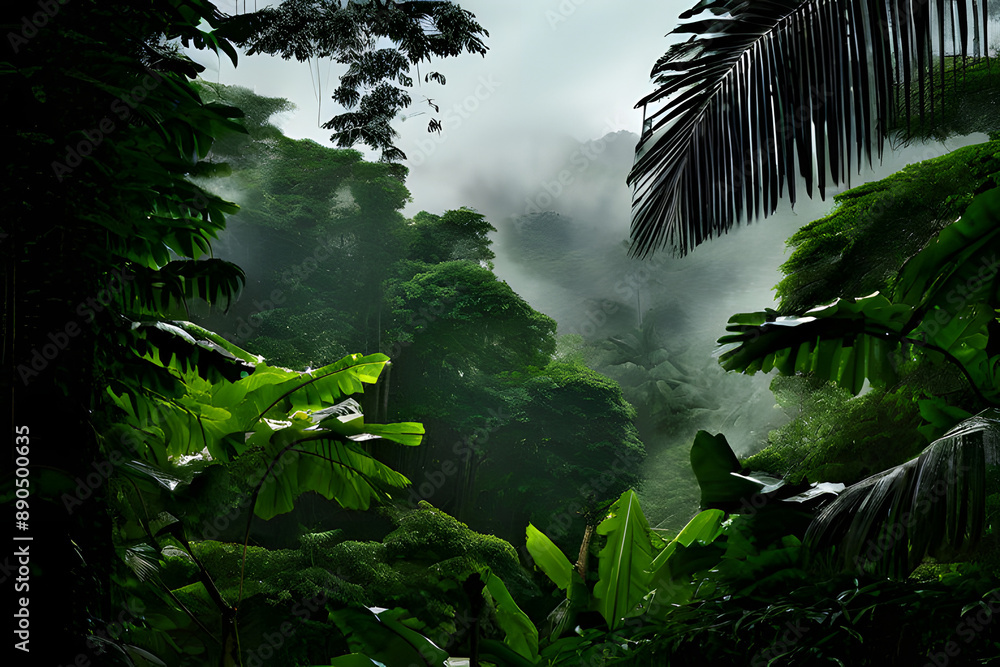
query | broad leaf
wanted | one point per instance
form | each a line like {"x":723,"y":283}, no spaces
{"x":549,"y":558}
{"x":382,"y":636}
{"x":960,"y":264}
{"x":168,"y":291}
{"x":716,"y":467}
{"x":932,"y":505}
{"x":520,"y":633}
{"x":624,"y":561}
{"x":944,"y":308}
{"x":848,"y":341}
{"x":671,"y":567}
{"x":316,"y":460}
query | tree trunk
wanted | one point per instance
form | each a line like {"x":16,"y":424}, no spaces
{"x":581,"y":561}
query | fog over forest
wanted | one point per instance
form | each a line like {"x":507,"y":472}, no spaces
{"x":561,"y":244}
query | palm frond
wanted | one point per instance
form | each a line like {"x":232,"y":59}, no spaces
{"x":169,"y":290}
{"x":848,"y":341}
{"x":933,"y":505}
{"x":142,"y":559}
{"x":767,"y":90}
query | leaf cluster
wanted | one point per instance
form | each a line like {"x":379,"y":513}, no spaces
{"x":374,"y":88}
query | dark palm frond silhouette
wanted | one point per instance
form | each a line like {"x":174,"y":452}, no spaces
{"x":933,"y":505}
{"x":768,"y":90}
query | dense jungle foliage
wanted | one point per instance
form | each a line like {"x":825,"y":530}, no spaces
{"x":441,"y":480}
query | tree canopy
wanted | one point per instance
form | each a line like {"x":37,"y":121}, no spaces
{"x":377,"y":83}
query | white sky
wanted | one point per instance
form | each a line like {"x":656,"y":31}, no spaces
{"x":557,"y":70}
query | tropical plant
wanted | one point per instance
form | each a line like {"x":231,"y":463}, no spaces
{"x":634,"y":563}
{"x":302,"y":430}
{"x":648,"y":581}
{"x":623,"y":568}
{"x":857,"y":250}
{"x":941,"y":305}
{"x":110,"y":242}
{"x":770,"y":595}
{"x":661,"y":377}
{"x":933,"y":505}
{"x":763,"y":90}
{"x":940,"y":309}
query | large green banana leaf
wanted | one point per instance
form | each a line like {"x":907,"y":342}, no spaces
{"x":319,"y":461}
{"x":312,"y":441}
{"x":671,"y":570}
{"x":520,"y":634}
{"x":624,"y":561}
{"x":960,"y":264}
{"x":382,"y":636}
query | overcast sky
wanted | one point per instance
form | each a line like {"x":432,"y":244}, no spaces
{"x":558,"y":72}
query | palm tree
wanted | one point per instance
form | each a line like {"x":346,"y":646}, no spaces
{"x":766,"y":88}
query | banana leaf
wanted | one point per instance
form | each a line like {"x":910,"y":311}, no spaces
{"x":933,"y":505}
{"x":624,"y":562}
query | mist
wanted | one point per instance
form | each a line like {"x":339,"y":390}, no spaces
{"x":562,"y":219}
